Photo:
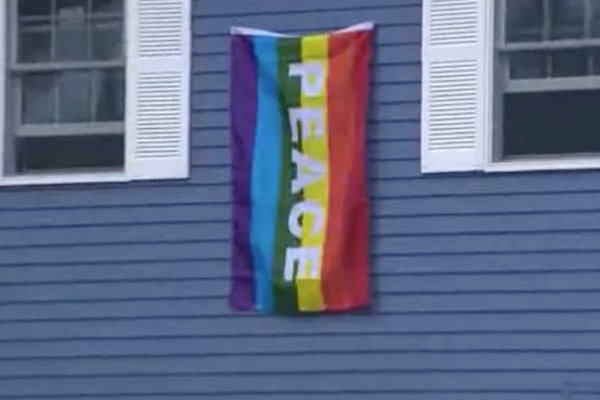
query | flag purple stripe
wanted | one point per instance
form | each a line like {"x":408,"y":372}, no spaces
{"x":243,"y":95}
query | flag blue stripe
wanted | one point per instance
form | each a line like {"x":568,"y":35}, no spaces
{"x":266,"y":169}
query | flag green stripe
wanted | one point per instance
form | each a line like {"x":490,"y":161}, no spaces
{"x":285,"y":293}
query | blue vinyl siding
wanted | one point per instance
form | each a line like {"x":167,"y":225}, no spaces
{"x":486,"y":287}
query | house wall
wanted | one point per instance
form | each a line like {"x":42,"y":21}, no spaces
{"x":486,"y":287}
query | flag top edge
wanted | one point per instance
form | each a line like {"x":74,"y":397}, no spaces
{"x":246,"y":31}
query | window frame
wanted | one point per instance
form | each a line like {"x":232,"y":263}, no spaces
{"x":501,"y":84}
{"x":459,"y":94}
{"x":15,"y":128}
{"x":156,"y":146}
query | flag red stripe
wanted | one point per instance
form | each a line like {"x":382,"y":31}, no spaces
{"x":345,"y":278}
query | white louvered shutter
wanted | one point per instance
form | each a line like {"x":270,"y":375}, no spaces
{"x":158,"y":88}
{"x":456,"y":92}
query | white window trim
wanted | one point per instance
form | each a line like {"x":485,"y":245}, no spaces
{"x":65,"y":179}
{"x":553,"y":164}
{"x":480,"y":156}
{"x":156,"y":141}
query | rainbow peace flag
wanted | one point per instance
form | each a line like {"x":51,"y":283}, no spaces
{"x":300,"y":204}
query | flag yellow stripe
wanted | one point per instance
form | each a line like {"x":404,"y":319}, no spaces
{"x":310,"y":297}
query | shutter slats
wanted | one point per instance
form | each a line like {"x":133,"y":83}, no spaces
{"x":456,"y":82}
{"x":158,"y":85}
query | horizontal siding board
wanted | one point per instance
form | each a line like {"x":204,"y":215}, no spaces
{"x":398,"y":54}
{"x":496,"y":204}
{"x":123,"y":234}
{"x":380,"y":131}
{"x":442,"y":190}
{"x":502,"y":362}
{"x":200,"y":248}
{"x":253,"y":325}
{"x":345,"y":395}
{"x":482,"y":263}
{"x":116,"y":290}
{"x":72,"y":218}
{"x":255,"y":347}
{"x":319,"y":22}
{"x":78,"y":238}
{"x":320,"y":384}
{"x":203,"y":250}
{"x":111,"y":272}
{"x":217,"y":42}
{"x":382,"y":75}
{"x":486,"y":224}
{"x":376,"y":151}
{"x":215,"y":8}
{"x":115,"y":253}
{"x":500,"y":282}
{"x":353,"y":395}
{"x":401,"y":285}
{"x":322,"y":395}
{"x":383,"y":266}
{"x":212,"y":304}
{"x":389,"y":93}
{"x":473,"y":185}
{"x":474,"y":243}
{"x":483,"y":266}
{"x":520,"y":199}
{"x":383,"y":113}
{"x":90,"y":198}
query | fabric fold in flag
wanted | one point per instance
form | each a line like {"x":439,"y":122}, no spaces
{"x":298,"y":111}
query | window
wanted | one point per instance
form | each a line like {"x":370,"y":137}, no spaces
{"x":67,"y":81}
{"x":95,"y":90}
{"x":511,"y":85}
{"x":549,"y":57}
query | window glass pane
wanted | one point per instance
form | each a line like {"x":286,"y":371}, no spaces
{"x":71,"y":9}
{"x":595,"y":55}
{"x":38,"y":98}
{"x":71,"y":41}
{"x":570,"y":63}
{"x":39,"y":154}
{"x":34,"y":42}
{"x":109,"y":101}
{"x":35,"y":8}
{"x":524,"y":20}
{"x":107,"y":6}
{"x":595,"y":18}
{"x":551,"y":123}
{"x":75,"y":97}
{"x":528,"y":65}
{"x":567,"y":19}
{"x":106,"y":40}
